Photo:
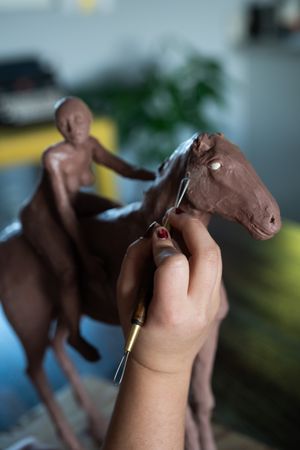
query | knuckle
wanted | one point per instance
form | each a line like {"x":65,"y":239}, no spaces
{"x":189,"y":220}
{"x":173,"y":318}
{"x":178,"y":260}
{"x":202,"y":319}
{"x":175,"y":261}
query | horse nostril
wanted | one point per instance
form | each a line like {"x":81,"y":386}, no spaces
{"x":272,"y":220}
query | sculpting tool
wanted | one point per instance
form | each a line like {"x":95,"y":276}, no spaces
{"x":145,"y":294}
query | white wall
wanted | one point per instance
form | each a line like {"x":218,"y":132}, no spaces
{"x":78,"y":45}
{"x":272,"y":100}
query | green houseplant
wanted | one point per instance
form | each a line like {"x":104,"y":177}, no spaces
{"x":157,"y":107}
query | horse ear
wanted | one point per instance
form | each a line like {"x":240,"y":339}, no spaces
{"x":202,"y":144}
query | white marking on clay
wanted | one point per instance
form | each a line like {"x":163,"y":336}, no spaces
{"x":215,"y":165}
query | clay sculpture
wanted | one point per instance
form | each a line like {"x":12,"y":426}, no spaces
{"x":222,"y":182}
{"x":52,"y":209}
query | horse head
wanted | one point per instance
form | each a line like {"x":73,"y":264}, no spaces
{"x":222,"y":181}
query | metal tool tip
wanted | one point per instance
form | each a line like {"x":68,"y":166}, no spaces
{"x":121,"y":369}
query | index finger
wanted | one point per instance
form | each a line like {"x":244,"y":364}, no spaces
{"x":205,"y":257}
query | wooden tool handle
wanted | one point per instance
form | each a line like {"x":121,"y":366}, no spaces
{"x":144,"y":298}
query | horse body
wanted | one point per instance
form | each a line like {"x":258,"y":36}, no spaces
{"x":28,"y":290}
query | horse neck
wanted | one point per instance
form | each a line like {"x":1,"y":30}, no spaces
{"x":162,"y":194}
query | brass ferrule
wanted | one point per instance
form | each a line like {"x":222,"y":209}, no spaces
{"x":134,"y":331}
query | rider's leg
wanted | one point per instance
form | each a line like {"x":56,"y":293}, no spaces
{"x":55,"y":248}
{"x":87,"y":204}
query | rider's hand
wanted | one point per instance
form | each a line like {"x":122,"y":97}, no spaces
{"x":186,"y":294}
{"x":144,"y":174}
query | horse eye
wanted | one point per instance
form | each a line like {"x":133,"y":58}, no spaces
{"x":215,"y":165}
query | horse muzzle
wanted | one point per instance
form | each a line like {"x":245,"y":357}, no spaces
{"x":268,"y":226}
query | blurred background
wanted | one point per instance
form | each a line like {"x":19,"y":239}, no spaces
{"x":154,"y":73}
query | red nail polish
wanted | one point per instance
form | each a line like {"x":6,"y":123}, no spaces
{"x":178,"y":211}
{"x":162,"y":233}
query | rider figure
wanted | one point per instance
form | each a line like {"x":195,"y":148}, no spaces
{"x":49,"y":219}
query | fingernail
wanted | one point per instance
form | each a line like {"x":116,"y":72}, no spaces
{"x":150,"y":230}
{"x":162,"y":233}
{"x":178,"y":211}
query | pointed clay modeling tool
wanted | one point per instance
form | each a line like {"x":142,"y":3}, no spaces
{"x":145,"y":294}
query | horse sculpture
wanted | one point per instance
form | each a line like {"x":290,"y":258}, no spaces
{"x":222,"y":182}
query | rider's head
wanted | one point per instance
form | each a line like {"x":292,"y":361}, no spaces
{"x":73,"y":119}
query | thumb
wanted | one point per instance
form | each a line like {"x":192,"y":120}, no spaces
{"x":171,"y":277}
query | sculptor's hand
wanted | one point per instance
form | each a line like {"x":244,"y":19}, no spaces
{"x":186,"y":294}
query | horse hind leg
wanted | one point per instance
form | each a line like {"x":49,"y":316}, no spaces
{"x":201,"y":396}
{"x":202,"y":399}
{"x":63,"y":429}
{"x":35,"y":351}
{"x":97,"y":424}
{"x":191,"y":441}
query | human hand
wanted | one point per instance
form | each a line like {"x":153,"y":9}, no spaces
{"x":186,"y":294}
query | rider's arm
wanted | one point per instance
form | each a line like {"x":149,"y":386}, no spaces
{"x":51,"y":162}
{"x":102,"y":156}
{"x":150,"y":409}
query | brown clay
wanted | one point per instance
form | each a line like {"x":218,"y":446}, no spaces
{"x":222,"y":181}
{"x":49,"y":220}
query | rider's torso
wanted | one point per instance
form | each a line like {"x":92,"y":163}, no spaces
{"x":74,"y":165}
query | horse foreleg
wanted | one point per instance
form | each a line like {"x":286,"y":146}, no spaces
{"x":191,"y":441}
{"x":201,"y":396}
{"x":40,"y":381}
{"x":98,"y":425}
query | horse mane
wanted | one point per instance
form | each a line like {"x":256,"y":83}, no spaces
{"x":170,"y":172}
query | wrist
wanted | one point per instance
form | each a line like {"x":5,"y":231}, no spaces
{"x":150,"y":409}
{"x":162,"y":356}
{"x":162,"y":371}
